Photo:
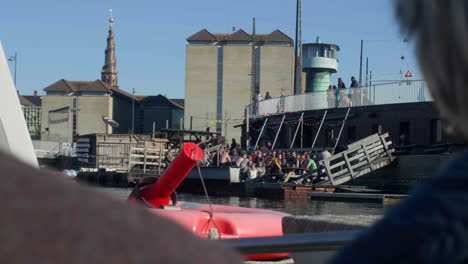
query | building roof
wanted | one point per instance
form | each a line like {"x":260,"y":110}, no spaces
{"x":97,"y":86}
{"x":161,"y":98}
{"x":239,"y":35}
{"x":78,"y":86}
{"x":202,"y":35}
{"x":121,"y":92}
{"x":180,"y":102}
{"x":277,"y":35}
{"x":306,"y":45}
{"x":140,"y":97}
{"x":33,"y":100}
{"x":30,"y":100}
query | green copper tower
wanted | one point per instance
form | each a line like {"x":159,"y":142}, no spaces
{"x":319,"y":61}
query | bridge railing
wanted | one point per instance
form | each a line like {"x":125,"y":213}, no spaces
{"x":51,"y":150}
{"x":392,"y":93}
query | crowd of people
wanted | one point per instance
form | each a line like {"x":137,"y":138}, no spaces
{"x":430,"y":226}
{"x":259,"y":98}
{"x":267,"y":166}
{"x":337,"y":95}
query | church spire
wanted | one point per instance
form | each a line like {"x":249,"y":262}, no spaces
{"x":109,"y":70}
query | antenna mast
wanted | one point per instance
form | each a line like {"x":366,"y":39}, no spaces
{"x":298,"y":50}
{"x":253,"y":87}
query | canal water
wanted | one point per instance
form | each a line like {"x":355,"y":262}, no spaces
{"x":292,"y":207}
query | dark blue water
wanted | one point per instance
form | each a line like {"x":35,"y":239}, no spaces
{"x":291,"y":207}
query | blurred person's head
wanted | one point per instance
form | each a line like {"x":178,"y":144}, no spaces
{"x":440,"y":31}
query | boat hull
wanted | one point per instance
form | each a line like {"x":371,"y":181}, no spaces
{"x":227,"y":222}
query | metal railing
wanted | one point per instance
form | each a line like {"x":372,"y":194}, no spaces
{"x":391,"y":93}
{"x":307,"y":242}
{"x":51,"y":150}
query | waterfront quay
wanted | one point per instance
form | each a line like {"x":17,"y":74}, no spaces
{"x":237,"y":139}
{"x":247,"y":94}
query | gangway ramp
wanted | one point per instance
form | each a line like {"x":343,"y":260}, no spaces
{"x":361,"y":158}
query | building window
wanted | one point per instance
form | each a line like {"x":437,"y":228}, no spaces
{"x":32,"y":115}
{"x":405,"y":133}
{"x":352,"y":134}
{"x":330,"y":137}
{"x":141,"y":122}
{"x":436,"y":131}
{"x":377,"y":129}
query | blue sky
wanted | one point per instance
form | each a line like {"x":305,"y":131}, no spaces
{"x":58,"y":39}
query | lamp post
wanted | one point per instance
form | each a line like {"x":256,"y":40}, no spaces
{"x":362,"y":53}
{"x":360,"y":63}
{"x":133,"y":111}
{"x":15,"y":59}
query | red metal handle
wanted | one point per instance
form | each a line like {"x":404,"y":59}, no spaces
{"x":159,"y":193}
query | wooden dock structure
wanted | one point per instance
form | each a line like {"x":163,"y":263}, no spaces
{"x":144,"y":162}
{"x":372,"y":197}
{"x":361,"y":158}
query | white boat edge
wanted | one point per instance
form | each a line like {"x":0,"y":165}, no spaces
{"x":14,"y":136}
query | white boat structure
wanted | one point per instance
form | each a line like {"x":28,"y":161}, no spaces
{"x":14,"y":136}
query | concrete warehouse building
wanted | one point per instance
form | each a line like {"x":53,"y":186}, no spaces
{"x":218,"y":76}
{"x":77,"y":107}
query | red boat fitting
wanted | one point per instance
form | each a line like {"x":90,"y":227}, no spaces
{"x":159,"y":193}
{"x":210,"y":222}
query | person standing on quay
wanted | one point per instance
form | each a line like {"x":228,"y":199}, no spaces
{"x":233,"y":144}
{"x":354,"y":83}
{"x":337,"y":96}
{"x":259,"y":98}
{"x":354,"y":92}
{"x":341,"y":84}
{"x":331,"y":97}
